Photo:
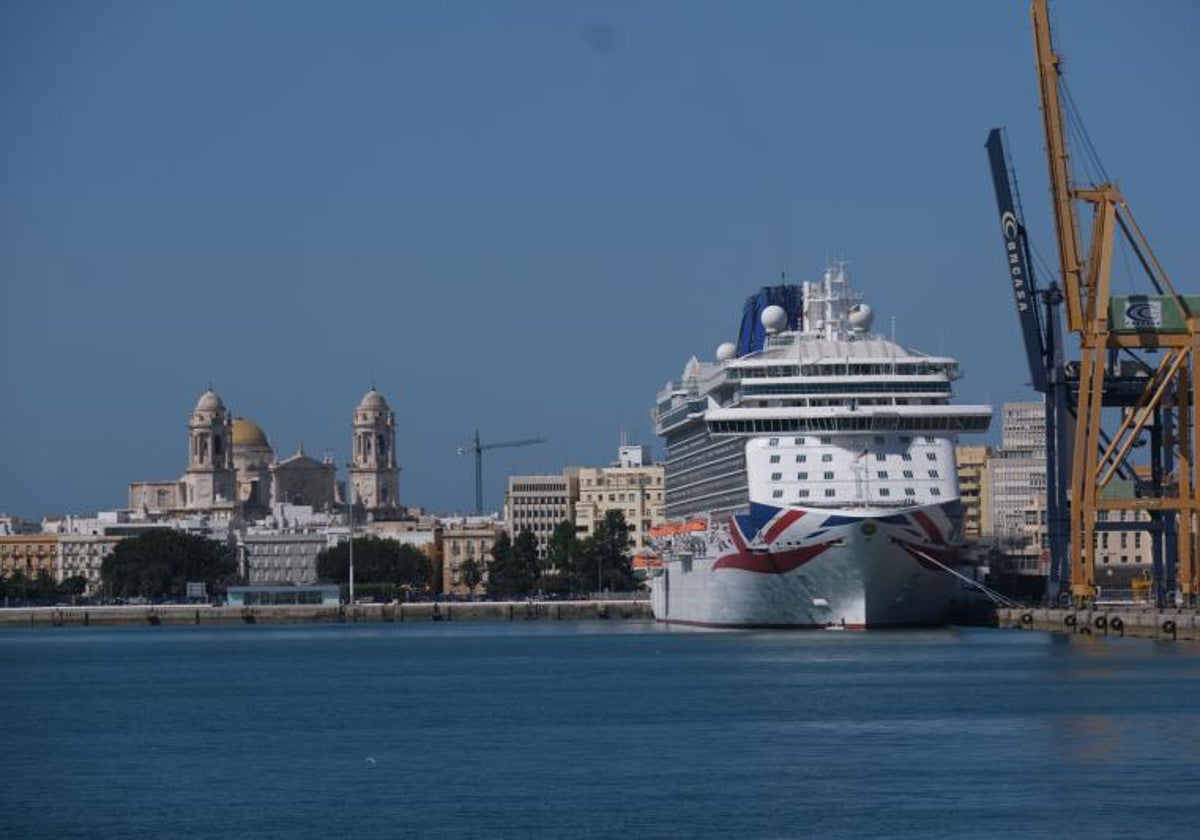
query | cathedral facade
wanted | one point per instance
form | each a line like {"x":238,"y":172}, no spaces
{"x":232,"y":469}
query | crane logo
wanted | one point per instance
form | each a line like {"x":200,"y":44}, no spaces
{"x":1008,"y":223}
{"x":1142,"y":314}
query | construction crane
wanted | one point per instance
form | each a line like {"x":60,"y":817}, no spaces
{"x":478,"y":448}
{"x":1138,"y":355}
{"x":1042,"y":331}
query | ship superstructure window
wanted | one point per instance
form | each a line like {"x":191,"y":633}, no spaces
{"x":828,"y":476}
{"x":882,"y":473}
{"x":879,"y":456}
{"x":773,"y":442}
{"x":830,"y":493}
{"x":774,"y":459}
{"x":799,"y":441}
{"x":932,"y":456}
{"x":803,"y":476}
{"x":800,"y":459}
{"x":776,"y":476}
{"x":933,"y":491}
{"x":826,"y":440}
{"x":905,"y":457}
{"x":826,"y":458}
{"x":776,"y":494}
{"x":883,"y":491}
{"x":908,"y":491}
{"x":933,"y":473}
{"x":908,"y":474}
{"x":803,"y":494}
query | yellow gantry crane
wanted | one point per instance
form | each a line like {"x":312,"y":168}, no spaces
{"x":1158,"y":331}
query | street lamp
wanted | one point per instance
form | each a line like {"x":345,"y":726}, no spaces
{"x":350,"y":522}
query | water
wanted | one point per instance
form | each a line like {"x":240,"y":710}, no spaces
{"x":593,"y":729}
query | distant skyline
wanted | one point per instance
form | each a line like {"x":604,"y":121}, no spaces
{"x":521,"y":218}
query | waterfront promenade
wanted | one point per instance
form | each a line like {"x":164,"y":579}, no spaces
{"x":182,"y":614}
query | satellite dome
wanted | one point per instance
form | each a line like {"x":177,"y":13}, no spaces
{"x":726,"y":351}
{"x":773,"y":318}
{"x":860,"y":317}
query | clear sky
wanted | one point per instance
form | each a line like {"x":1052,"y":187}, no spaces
{"x":518,"y":217}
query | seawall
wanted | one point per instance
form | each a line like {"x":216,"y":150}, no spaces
{"x":1143,"y":622}
{"x":179,"y":614}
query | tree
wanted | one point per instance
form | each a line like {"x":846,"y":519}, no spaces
{"x":472,"y":575}
{"x":376,"y":561}
{"x":515,"y":567}
{"x":605,"y":560}
{"x":161,"y":562}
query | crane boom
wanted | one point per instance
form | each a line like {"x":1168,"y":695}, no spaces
{"x":478,"y":449}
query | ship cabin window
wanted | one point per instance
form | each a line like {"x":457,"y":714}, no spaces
{"x":905,"y":457}
{"x":933,"y":473}
{"x":830,"y":493}
{"x":929,"y":439}
{"x":826,"y":458}
{"x":828,"y":476}
{"x":826,"y":440}
{"x":800,"y":459}
{"x":802,"y":476}
{"x":933,"y":491}
{"x":773,"y":442}
{"x":799,"y":441}
{"x":879,"y":456}
{"x":776,"y":494}
{"x":883,"y":491}
{"x":908,"y":474}
{"x":932,"y":456}
{"x":803,"y":494}
{"x":882,"y":473}
{"x":774,"y":459}
{"x":908,"y":491}
{"x":776,"y":476}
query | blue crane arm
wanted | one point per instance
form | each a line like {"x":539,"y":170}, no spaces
{"x":1020,"y":272}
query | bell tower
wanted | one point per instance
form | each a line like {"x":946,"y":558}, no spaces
{"x":374,"y":476}
{"x":210,"y":476}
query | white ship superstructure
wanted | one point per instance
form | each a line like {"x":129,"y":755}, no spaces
{"x":812,"y":483}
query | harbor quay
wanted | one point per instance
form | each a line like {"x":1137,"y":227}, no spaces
{"x":1106,"y":620}
{"x":188,"y":614}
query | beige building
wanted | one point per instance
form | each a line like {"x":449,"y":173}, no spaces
{"x":374,"y":475}
{"x":633,"y":486}
{"x":29,"y":554}
{"x":466,"y":538}
{"x":972,"y":483}
{"x":537,"y":503}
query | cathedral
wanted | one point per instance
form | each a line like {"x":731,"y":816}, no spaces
{"x":233,"y":472}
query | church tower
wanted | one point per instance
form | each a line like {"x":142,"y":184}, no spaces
{"x":210,"y":475}
{"x":374,"y":476}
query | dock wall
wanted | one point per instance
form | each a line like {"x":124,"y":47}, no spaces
{"x":1142,"y":622}
{"x":362,"y":613}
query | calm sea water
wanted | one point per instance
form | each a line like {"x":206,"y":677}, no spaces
{"x":593,"y":729}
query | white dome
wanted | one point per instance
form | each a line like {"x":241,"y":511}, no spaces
{"x":860,"y":317}
{"x":209,"y":401}
{"x":773,"y":318}
{"x":726,"y":351}
{"x":373,"y":400}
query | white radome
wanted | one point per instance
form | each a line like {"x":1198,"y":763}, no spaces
{"x":860,"y":317}
{"x":726,"y":351}
{"x":774,"y":319}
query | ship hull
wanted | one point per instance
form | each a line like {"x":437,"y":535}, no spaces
{"x":797,"y":568}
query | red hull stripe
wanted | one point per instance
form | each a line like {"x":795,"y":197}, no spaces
{"x":736,"y":533}
{"x":770,"y":564}
{"x":931,"y":530}
{"x":781,"y":525}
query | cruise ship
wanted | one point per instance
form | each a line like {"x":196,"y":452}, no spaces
{"x":811,"y":479}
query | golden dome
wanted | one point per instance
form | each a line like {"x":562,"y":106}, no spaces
{"x":247,"y":433}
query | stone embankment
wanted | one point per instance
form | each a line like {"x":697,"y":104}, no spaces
{"x":1118,"y":620}
{"x":361,"y":613}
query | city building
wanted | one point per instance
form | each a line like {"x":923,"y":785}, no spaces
{"x":537,"y":503}
{"x":972,"y":483}
{"x":1014,"y":483}
{"x":633,"y":486}
{"x":466,"y":538}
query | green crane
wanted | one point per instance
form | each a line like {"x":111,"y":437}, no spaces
{"x":478,"y":448}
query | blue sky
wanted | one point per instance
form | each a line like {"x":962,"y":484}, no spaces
{"x":515,"y":217}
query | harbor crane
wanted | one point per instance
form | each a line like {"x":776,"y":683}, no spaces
{"x":1138,"y":357}
{"x":478,"y":449}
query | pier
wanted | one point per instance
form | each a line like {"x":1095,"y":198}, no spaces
{"x":1114,"y":620}
{"x":189,"y":614}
